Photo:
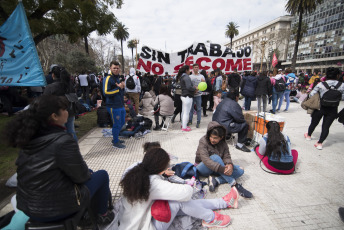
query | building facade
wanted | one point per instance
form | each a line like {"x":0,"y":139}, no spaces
{"x":323,"y":45}
{"x":265,"y":40}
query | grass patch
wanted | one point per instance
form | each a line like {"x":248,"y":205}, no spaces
{"x":86,"y":123}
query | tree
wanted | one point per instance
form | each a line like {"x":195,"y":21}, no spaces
{"x":74,"y":18}
{"x":304,"y":29}
{"x":231,"y":31}
{"x":300,"y":7}
{"x":131,"y":45}
{"x":76,"y":62}
{"x":121,"y":34}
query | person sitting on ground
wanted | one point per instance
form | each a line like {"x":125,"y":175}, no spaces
{"x":166,"y":105}
{"x":96,"y":95}
{"x":53,"y":178}
{"x":276,"y":147}
{"x":229,"y":114}
{"x":147,"y":104}
{"x":300,"y":96}
{"x":217,"y":99}
{"x":103,"y":117}
{"x":214,"y":160}
{"x":129,"y":108}
{"x":144,"y":184}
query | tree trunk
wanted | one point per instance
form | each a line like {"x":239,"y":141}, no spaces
{"x":86,"y":45}
{"x":293,"y":61}
{"x":231,"y":42}
{"x":122,"y":58}
{"x":132,"y":56}
{"x":40,"y":37}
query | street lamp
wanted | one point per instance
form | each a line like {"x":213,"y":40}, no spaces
{"x":136,"y":41}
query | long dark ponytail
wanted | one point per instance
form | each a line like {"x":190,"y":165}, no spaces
{"x":136,"y":183}
{"x":276,"y":144}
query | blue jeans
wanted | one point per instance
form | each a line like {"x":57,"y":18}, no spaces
{"x":198,"y":102}
{"x":275,"y":97}
{"x":286,"y":95}
{"x":118,"y":120}
{"x":248,"y":103}
{"x":70,"y":127}
{"x":205,"y":171}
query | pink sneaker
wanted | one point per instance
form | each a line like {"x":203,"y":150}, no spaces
{"x":308,"y":138}
{"x":318,"y":146}
{"x":187,"y":129}
{"x":220,"y":221}
{"x":232,"y":198}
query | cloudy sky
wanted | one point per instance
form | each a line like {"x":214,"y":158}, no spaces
{"x":173,"y":25}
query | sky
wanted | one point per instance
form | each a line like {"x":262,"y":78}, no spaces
{"x":173,"y":25}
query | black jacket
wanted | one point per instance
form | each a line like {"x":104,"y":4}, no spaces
{"x":103,"y":117}
{"x":248,"y":86}
{"x":51,"y":173}
{"x":234,"y":80}
{"x":229,"y":114}
{"x":263,"y":86}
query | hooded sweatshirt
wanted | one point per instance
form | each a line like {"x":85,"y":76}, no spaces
{"x":206,"y":149}
{"x":137,"y":88}
{"x":147,"y":104}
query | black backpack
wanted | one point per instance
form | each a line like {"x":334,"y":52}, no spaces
{"x":185,"y":170}
{"x":332,"y":96}
{"x":280,"y":85}
{"x":145,"y":86}
{"x":130,"y":82}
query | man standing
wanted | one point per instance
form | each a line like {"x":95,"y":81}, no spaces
{"x":196,"y":78}
{"x":84,"y":85}
{"x":133,"y":88}
{"x":234,"y":80}
{"x":114,"y":93}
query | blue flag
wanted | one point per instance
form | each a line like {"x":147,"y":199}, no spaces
{"x":19,"y":62}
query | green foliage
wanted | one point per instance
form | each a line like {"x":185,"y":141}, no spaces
{"x":121,"y":34}
{"x":232,"y":30}
{"x":304,"y":29}
{"x":76,"y":62}
{"x":131,"y":45}
{"x":75,"y":18}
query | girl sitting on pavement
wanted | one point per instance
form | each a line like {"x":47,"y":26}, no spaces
{"x":144,"y":184}
{"x":217,"y":99}
{"x":274,"y":150}
{"x":214,"y":160}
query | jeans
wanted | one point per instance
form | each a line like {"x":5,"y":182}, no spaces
{"x":286,"y":95}
{"x":248,"y":103}
{"x":205,"y":171}
{"x":200,"y":209}
{"x":99,"y":189}
{"x":118,"y":120}
{"x":70,"y":127}
{"x":187,"y":104}
{"x":275,"y":97}
{"x":198,"y":102}
{"x":259,"y":101}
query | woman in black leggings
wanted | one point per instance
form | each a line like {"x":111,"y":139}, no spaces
{"x":329,"y":113}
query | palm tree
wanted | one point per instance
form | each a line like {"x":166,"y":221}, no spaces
{"x":121,"y":34}
{"x":131,"y":45}
{"x":232,"y":30}
{"x":300,"y":7}
{"x":304,"y":29}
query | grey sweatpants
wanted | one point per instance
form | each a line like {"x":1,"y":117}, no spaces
{"x":259,"y":100}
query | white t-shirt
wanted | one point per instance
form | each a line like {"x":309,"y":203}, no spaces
{"x":83,"y":80}
{"x":196,"y":79}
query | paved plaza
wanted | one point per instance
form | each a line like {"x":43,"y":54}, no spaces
{"x":308,"y":199}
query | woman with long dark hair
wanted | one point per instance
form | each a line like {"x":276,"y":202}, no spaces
{"x":166,"y":105}
{"x":276,"y":147}
{"x":177,"y":97}
{"x":188,"y":92}
{"x":63,"y":85}
{"x":145,"y":184}
{"x":53,"y":179}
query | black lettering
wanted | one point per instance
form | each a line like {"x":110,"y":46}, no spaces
{"x":215,"y":50}
{"x":190,"y":51}
{"x":182,"y":54}
{"x":165,"y":57}
{"x":145,"y":52}
{"x":247,"y":51}
{"x":201,"y":48}
{"x":240,"y":53}
{"x":227,"y":51}
{"x":153,"y":56}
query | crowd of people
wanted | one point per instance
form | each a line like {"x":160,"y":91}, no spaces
{"x":54,"y":181}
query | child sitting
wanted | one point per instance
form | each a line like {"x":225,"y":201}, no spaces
{"x":217,"y":99}
{"x":300,"y":96}
{"x":147,"y":104}
{"x":274,"y":150}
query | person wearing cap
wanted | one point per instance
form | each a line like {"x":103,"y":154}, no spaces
{"x":49,"y":77}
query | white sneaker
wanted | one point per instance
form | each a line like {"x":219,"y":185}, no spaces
{"x":318,"y":146}
{"x":308,"y":138}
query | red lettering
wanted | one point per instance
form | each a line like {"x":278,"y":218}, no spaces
{"x":231,"y":66}
{"x":203,"y":59}
{"x":221,"y":61}
{"x":247,"y":64}
{"x":142,"y":64}
{"x":189,"y":61}
{"x":177,"y":67}
{"x":160,"y":69}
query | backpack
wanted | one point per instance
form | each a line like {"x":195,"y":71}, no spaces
{"x":130,"y":82}
{"x":280,"y":85}
{"x":332,"y":96}
{"x":145,"y":86}
{"x":185,"y":170}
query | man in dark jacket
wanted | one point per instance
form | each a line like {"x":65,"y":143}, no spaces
{"x":234,"y":80}
{"x":263,"y":90}
{"x":229,"y":114}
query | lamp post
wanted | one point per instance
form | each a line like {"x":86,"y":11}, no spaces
{"x":136,"y":41}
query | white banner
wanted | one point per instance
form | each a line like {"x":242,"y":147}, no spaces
{"x":209,"y":56}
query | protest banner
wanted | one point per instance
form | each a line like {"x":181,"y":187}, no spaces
{"x":19,"y":62}
{"x":209,"y":56}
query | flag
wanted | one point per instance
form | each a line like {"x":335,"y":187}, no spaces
{"x":274,"y":60}
{"x":19,"y":62}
